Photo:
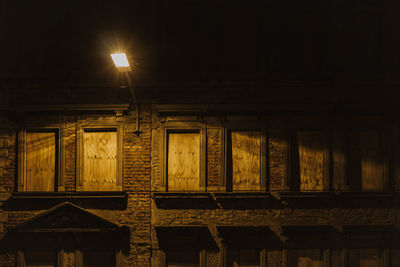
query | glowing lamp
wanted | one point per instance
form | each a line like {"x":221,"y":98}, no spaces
{"x":121,"y":62}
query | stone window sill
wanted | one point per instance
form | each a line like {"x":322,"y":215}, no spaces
{"x":247,"y":200}
{"x":366,"y":194}
{"x":46,"y":200}
{"x":69,"y":195}
{"x":306,"y":194}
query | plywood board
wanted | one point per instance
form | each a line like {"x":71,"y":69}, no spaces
{"x":246,"y":159}
{"x":311,"y":147}
{"x":181,"y":258}
{"x":99,"y":258}
{"x":40,"y":161}
{"x":395,"y":257}
{"x":100,"y":161}
{"x":369,"y":258}
{"x":305,"y":258}
{"x":40,"y":259}
{"x":183,"y":161}
{"x":336,"y":258}
{"x":371,"y":163}
{"x":243,"y":258}
{"x":353,"y":257}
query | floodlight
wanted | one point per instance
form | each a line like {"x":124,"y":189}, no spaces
{"x":121,"y":62}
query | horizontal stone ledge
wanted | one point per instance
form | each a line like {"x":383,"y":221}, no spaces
{"x":66,"y":195}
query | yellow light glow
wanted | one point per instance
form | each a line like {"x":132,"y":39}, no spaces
{"x":120,"y":60}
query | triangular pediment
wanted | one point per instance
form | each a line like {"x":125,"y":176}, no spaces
{"x":66,"y":217}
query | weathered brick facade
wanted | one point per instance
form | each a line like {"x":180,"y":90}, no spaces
{"x":150,"y":206}
{"x":270,"y":72}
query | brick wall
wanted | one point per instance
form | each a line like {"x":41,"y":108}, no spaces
{"x":214,"y":155}
{"x":136,"y":183}
{"x":141,"y":178}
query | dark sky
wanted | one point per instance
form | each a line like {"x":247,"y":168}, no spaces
{"x":193,"y":43}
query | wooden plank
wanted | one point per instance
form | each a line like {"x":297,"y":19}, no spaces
{"x":249,"y":258}
{"x":40,"y":161}
{"x":336,"y":258}
{"x":243,"y":258}
{"x":183,"y":161}
{"x":179,"y":258}
{"x":311,"y":160}
{"x":305,"y":258}
{"x":369,"y":258}
{"x":246,"y":159}
{"x":40,"y":259}
{"x":353,"y":258}
{"x":96,"y":258}
{"x":310,"y":258}
{"x":371,"y":162}
{"x":100,"y":161}
{"x":395,"y":257}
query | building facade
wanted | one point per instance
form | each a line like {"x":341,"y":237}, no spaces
{"x":262,"y":134}
{"x":200,"y":185}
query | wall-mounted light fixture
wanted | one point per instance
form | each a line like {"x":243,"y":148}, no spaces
{"x":121,"y":62}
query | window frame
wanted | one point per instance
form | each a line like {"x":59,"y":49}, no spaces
{"x":183,"y":127}
{"x":98,"y":125}
{"x":59,"y":179}
{"x":227,"y":177}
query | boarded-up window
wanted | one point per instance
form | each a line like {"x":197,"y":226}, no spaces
{"x":183,"y":161}
{"x":364,"y":258}
{"x":336,"y":258}
{"x":312,"y":160}
{"x":183,"y":258}
{"x":395,"y":257}
{"x":243,"y":258}
{"x":246,"y":160}
{"x":40,"y":259}
{"x":40,"y":161}
{"x":366,"y":162}
{"x":305,"y":258}
{"x":99,"y":259}
{"x":100,"y":161}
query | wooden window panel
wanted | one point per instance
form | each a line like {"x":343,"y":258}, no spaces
{"x":364,"y":258}
{"x":312,"y":160}
{"x":367,"y":171}
{"x":41,"y":168}
{"x":371,"y":163}
{"x":100,"y":161}
{"x":395,"y":257}
{"x":183,"y":161}
{"x":182,"y":258}
{"x":336,"y":258}
{"x":246,"y":160}
{"x":244,"y":258}
{"x":40,"y":259}
{"x":98,"y":258}
{"x":305,"y":258}
{"x":369,"y":258}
